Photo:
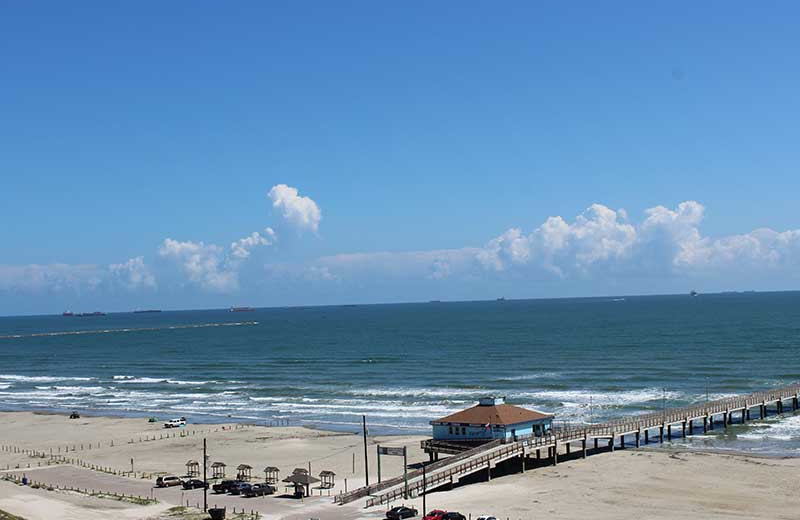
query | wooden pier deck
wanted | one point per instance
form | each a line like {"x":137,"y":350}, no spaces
{"x":626,"y":432}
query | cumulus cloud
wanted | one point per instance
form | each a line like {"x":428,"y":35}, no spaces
{"x":300,"y":212}
{"x":51,"y":277}
{"x":133,"y":274}
{"x":242,"y":247}
{"x":601,"y":240}
{"x":203,"y":264}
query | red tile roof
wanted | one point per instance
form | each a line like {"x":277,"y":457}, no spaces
{"x":501,"y":414}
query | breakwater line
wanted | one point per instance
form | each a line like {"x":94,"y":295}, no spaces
{"x":129,"y":329}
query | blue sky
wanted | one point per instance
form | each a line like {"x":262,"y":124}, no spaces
{"x":421,"y":134}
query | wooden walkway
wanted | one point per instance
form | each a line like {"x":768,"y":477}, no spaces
{"x":629,"y":431}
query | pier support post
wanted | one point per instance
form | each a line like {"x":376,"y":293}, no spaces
{"x":611,"y":443}
{"x":595,"y":443}
{"x":725,"y":419}
{"x":538,"y":454}
{"x":638,"y":437}
{"x":669,"y":432}
{"x":646,"y":436}
{"x":762,"y":410}
{"x":780,"y":406}
{"x":743,"y":414}
{"x":711,"y":421}
{"x":488,"y":471}
{"x":683,"y":430}
{"x":661,"y":433}
{"x":705,"y":424}
{"x":691,"y":427}
{"x":622,"y":442}
{"x":585,"y":439}
{"x":794,"y":403}
{"x":748,"y":414}
{"x":555,"y":453}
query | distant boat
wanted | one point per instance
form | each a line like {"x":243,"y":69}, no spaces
{"x":142,"y":311}
{"x":501,"y":299}
{"x":86,"y":314}
{"x":435,"y":301}
{"x":68,"y":313}
{"x":693,"y":293}
{"x":240,"y":309}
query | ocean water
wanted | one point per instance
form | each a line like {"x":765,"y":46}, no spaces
{"x":585,"y":360}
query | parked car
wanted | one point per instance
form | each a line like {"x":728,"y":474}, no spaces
{"x":452,"y":515}
{"x":397,"y":513}
{"x":486,"y":518}
{"x":224,"y":486}
{"x":194,"y":484}
{"x":242,"y":488}
{"x":168,"y":481}
{"x":259,"y":490}
{"x":175,"y":423}
{"x":436,"y":514}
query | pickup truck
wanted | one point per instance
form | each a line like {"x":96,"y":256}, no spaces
{"x":175,"y":423}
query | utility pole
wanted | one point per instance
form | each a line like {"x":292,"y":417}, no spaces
{"x":205,"y":481}
{"x":424,"y":489}
{"x":366,"y":456}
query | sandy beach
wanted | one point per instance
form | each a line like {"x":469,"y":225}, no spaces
{"x":645,"y":483}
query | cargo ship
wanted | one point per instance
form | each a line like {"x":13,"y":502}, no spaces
{"x":143,"y":311}
{"x":240,"y":309}
{"x":68,"y":313}
{"x":85,"y":314}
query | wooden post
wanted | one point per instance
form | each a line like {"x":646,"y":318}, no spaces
{"x":622,"y":442}
{"x":379,"y":463}
{"x":711,"y":421}
{"x":683,"y":431}
{"x":646,"y":436}
{"x":568,"y":448}
{"x":638,"y":436}
{"x":538,"y":454}
{"x":585,"y":438}
{"x":669,"y":432}
{"x":595,"y":443}
{"x":661,"y":433}
{"x":691,"y":426}
{"x":725,"y":418}
{"x":611,"y":443}
{"x":555,"y":453}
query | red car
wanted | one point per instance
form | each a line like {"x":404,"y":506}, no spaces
{"x":436,"y":514}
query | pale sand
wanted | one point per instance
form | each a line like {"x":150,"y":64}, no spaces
{"x":646,"y":483}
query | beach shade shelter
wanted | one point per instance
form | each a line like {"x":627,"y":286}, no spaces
{"x":192,"y":468}
{"x":301,"y":482}
{"x":271,"y":475}
{"x":328,"y":479}
{"x":300,"y":471}
{"x":244,"y":472}
{"x":218,"y":470}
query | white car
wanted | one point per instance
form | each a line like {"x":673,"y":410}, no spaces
{"x":175,"y":423}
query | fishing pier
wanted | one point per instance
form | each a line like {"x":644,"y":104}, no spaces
{"x":617,"y":434}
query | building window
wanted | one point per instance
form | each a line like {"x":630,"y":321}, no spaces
{"x":450,"y":430}
{"x":463,"y":431}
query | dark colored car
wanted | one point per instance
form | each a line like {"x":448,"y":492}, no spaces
{"x":242,"y":488}
{"x":453,"y":516}
{"x":397,"y":513}
{"x":194,"y":484}
{"x":225,"y":486}
{"x":259,"y":490}
{"x":436,"y":514}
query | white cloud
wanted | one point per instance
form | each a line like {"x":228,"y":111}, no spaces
{"x":300,"y":212}
{"x":598,"y":235}
{"x":601,"y":241}
{"x":133,"y":274}
{"x":241,"y":248}
{"x":51,"y":277}
{"x":204,"y":265}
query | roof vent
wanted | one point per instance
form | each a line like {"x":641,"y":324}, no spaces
{"x":491,"y":401}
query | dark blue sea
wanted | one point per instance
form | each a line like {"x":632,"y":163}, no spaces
{"x":402,"y":365}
